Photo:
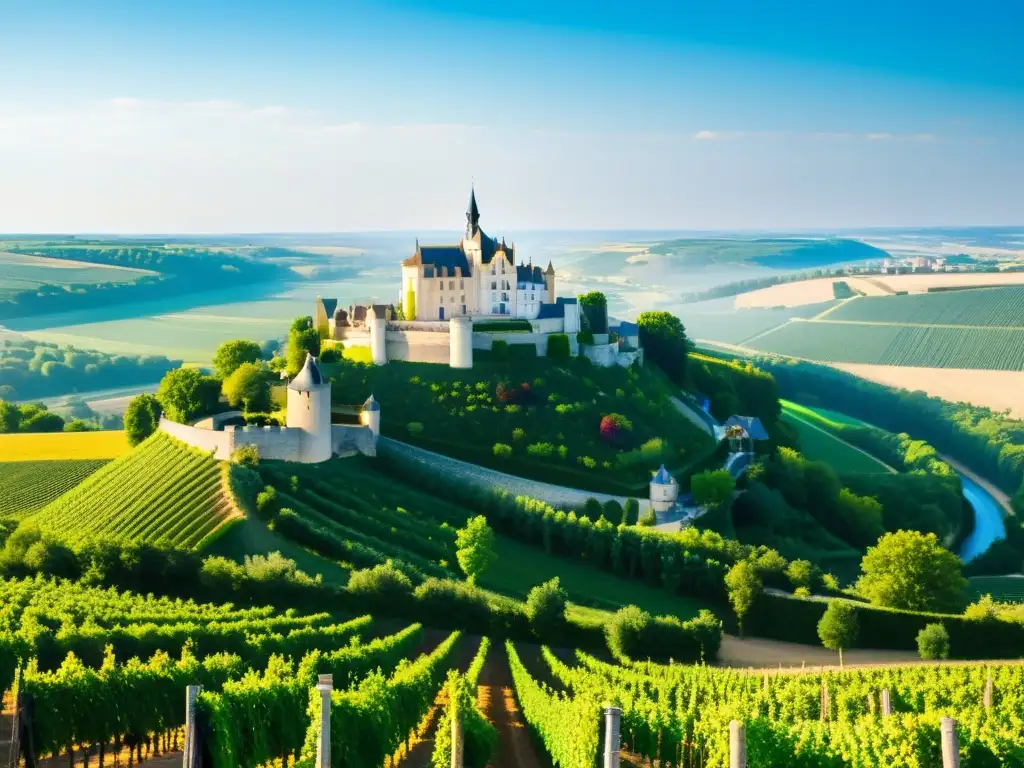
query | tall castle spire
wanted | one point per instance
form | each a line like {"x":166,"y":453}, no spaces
{"x":472,"y":214}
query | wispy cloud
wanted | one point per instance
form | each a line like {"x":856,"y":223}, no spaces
{"x":709,"y":135}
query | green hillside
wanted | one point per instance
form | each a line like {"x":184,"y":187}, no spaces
{"x":779,"y":253}
{"x":534,"y":418}
{"x":28,"y":486}
{"x":161,"y":491}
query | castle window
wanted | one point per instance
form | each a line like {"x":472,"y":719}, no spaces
{"x":451,"y":285}
{"x":494,"y":285}
{"x":461,"y":284}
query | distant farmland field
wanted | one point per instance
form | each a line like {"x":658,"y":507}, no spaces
{"x":736,"y":327}
{"x":846,"y":342}
{"x":62,"y":445}
{"x":19,"y":272}
{"x":999,"y":307}
{"x":27,"y":486}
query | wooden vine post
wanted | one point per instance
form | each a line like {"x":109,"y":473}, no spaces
{"x":988,"y":691}
{"x":612,"y":736}
{"x":323,"y":740}
{"x":886,"y":703}
{"x":192,"y":750}
{"x":950,"y":743}
{"x":737,"y":745}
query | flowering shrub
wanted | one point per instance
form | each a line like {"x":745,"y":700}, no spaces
{"x":502,"y":450}
{"x":614,"y":426}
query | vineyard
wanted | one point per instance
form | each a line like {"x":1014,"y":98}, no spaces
{"x":27,"y":486}
{"x":163,"y":491}
{"x":847,"y":342}
{"x":681,"y":714}
{"x":1005,"y":589}
{"x":998,"y":307}
{"x":106,"y":671}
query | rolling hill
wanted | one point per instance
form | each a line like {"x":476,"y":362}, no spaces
{"x":161,"y":491}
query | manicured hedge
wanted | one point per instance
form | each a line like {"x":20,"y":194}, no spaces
{"x":796,"y":620}
{"x":558,"y":346}
{"x":501,"y":326}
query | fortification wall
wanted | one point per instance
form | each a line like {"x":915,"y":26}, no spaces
{"x":604,"y":355}
{"x":279,"y":443}
{"x":220,"y":443}
{"x":352,"y":337}
{"x":418,"y":346}
{"x":348,"y":440}
{"x":548,"y":325}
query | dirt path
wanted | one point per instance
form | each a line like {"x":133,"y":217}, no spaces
{"x":421,"y":746}
{"x":758,"y":652}
{"x":498,"y":702}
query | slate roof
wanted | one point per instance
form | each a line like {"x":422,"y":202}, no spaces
{"x":627,"y":329}
{"x":309,"y":378}
{"x":662,"y":477}
{"x":753,"y":426}
{"x":329,"y":306}
{"x":548,"y":311}
{"x":529,"y":274}
{"x":447,"y":256}
{"x":371,"y":404}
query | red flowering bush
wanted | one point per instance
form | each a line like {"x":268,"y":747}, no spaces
{"x":615,"y":427}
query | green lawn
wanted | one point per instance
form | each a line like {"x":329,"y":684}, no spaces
{"x":520,"y":567}
{"x":823,"y":416}
{"x":252,"y":537}
{"x":818,"y":444}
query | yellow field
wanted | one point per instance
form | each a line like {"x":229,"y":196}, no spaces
{"x":802,"y":292}
{"x":63,"y":445}
{"x":998,"y":390}
{"x":921,"y":283}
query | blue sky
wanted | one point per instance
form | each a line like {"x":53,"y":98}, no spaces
{"x":328,"y":116}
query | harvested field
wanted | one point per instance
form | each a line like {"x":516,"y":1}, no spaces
{"x":921,"y":283}
{"x":803,"y":292}
{"x":999,"y":390}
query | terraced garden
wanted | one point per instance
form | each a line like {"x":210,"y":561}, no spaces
{"x":28,"y":486}
{"x":161,"y":491}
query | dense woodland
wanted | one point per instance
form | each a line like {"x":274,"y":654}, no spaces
{"x":31,"y":369}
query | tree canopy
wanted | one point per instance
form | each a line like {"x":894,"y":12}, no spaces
{"x":838,"y":627}
{"x":186,"y":394}
{"x":141,"y":418}
{"x":663,"y":338}
{"x":248,"y":387}
{"x":713,"y":488}
{"x":743,"y":583}
{"x":475,"y":548}
{"x":231,"y":354}
{"x":913,"y":571}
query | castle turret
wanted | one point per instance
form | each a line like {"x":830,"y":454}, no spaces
{"x":549,"y":281}
{"x":309,"y":410}
{"x":472,"y":214}
{"x":664,"y":490}
{"x":378,"y":325}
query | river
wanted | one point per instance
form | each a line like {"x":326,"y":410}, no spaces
{"x":988,"y":520}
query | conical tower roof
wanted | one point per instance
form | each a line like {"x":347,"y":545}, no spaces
{"x":309,"y":378}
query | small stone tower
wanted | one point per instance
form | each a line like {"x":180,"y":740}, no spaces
{"x":309,"y":410}
{"x":370,"y":416}
{"x":549,"y":282}
{"x":664,"y":490}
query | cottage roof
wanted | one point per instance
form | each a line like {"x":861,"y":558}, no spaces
{"x":662,"y":477}
{"x":371,"y":404}
{"x":751,"y":424}
{"x":309,"y":378}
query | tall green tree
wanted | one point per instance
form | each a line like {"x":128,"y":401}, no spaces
{"x":231,"y":354}
{"x":913,"y":571}
{"x":663,"y":338}
{"x":302,"y":338}
{"x":186,"y":394}
{"x":10,"y":417}
{"x":743,"y":583}
{"x":712,"y":489}
{"x":248,"y":387}
{"x":838,"y":627}
{"x":141,"y":418}
{"x":474,"y":548}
